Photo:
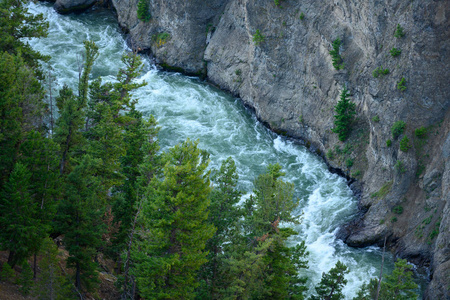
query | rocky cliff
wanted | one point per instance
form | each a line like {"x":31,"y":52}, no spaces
{"x":277,"y":59}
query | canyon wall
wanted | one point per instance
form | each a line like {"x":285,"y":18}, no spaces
{"x":288,"y":78}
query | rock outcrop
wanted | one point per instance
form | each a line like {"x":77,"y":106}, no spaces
{"x":286,"y":75}
{"x":72,"y":6}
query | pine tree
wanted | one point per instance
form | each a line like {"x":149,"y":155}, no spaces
{"x":224,"y":214}
{"x":399,"y":285}
{"x":16,"y":25}
{"x":51,"y":283}
{"x":26,"y":279}
{"x":79,"y":218}
{"x":331,"y":284}
{"x":345,"y":112}
{"x":143,"y":11}
{"x":174,"y":228}
{"x":21,"y":231}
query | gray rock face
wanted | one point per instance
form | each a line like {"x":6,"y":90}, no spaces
{"x":71,"y":6}
{"x":289,"y":79}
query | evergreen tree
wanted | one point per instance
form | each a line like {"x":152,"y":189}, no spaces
{"x":345,"y":112}
{"x":21,"y":231}
{"x":174,"y":228}
{"x":51,"y":284}
{"x":26,"y":279}
{"x":399,"y":285}
{"x":79,"y":218}
{"x":331,"y":284}
{"x":16,"y":25}
{"x":224,"y":214}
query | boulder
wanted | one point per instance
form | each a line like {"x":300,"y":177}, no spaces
{"x":72,"y":6}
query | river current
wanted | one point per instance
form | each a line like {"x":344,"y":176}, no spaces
{"x":187,"y":107}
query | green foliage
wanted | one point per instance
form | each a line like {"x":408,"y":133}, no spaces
{"x":383,"y":191}
{"x":258,"y":38}
{"x":302,"y":16}
{"x":401,"y":85}
{"x":7,"y":273}
{"x":161,"y":38}
{"x":400,"y":167}
{"x":332,"y":283}
{"x":335,"y":56}
{"x":330,"y":154}
{"x":421,"y":132}
{"x":399,"y":33}
{"x":175,"y":211}
{"x":397,"y":129}
{"x":79,"y":217}
{"x":380,"y":72}
{"x":398,"y":209}
{"x":376,"y":119}
{"x":345,"y":112}
{"x":25,"y":279}
{"x":399,"y":285}
{"x":21,"y":231}
{"x":393,"y":219}
{"x":395,"y":52}
{"x":349,"y":163}
{"x":404,"y":144}
{"x":143,"y":10}
{"x":51,"y":283}
{"x":388,"y":143}
{"x":356,"y":173}
{"x":17,"y":25}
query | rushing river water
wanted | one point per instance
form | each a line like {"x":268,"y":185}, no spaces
{"x":187,"y":107}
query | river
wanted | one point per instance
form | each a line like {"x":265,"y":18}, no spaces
{"x":187,"y":107}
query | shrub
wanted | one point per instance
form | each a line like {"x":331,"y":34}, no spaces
{"x":376,"y":119}
{"x":302,"y":16}
{"x":398,"y":209}
{"x":383,"y":191}
{"x":397,"y":129}
{"x":404,"y":144}
{"x":388,"y":143}
{"x":379,"y":71}
{"x":394,"y":219}
{"x":7,"y":273}
{"x":345,"y":110}
{"x":335,"y":56}
{"x":399,"y":32}
{"x":161,"y":38}
{"x":401,"y":85}
{"x":258,"y":38}
{"x":330,"y":154}
{"x":395,"y":52}
{"x":421,"y":132}
{"x":356,"y":173}
{"x":143,"y":12}
{"x":400,"y":167}
{"x":349,"y":163}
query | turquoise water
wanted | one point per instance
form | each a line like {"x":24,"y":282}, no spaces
{"x":187,"y":107}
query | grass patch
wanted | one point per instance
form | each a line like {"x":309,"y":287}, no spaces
{"x":383,"y":191}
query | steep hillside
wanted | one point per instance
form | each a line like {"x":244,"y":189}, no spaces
{"x":277,"y":59}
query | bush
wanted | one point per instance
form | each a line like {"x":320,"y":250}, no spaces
{"x":376,"y":119}
{"x":349,"y":163}
{"x":258,"y":38}
{"x":399,"y":32}
{"x":398,"y":209}
{"x":400,"y":167}
{"x":401,"y":85}
{"x":388,"y":143}
{"x":7,"y":273}
{"x":394,"y":219}
{"x":330,"y":154}
{"x":161,"y":38}
{"x":421,"y":132}
{"x":346,"y":111}
{"x":302,"y":16}
{"x":379,"y":71}
{"x":143,"y":10}
{"x":335,"y":56}
{"x":404,"y":144}
{"x":397,"y":129}
{"x":395,"y":52}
